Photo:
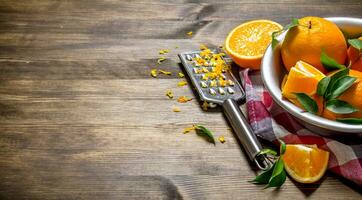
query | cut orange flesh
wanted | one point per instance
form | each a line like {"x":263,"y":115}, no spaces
{"x":304,"y":78}
{"x":305,"y":164}
{"x":247,"y":43}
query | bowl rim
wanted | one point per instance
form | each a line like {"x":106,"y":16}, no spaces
{"x":275,"y":91}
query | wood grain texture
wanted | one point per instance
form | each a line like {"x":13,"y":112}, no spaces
{"x":81,"y":118}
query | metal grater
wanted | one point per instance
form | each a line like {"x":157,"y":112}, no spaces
{"x":226,"y":91}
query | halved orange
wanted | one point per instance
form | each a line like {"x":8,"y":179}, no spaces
{"x":247,"y":43}
{"x":303,"y":78}
{"x":305,"y":163}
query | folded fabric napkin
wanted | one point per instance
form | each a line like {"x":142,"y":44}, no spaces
{"x":270,"y":122}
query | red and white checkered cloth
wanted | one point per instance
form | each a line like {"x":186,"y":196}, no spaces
{"x":269,"y":122}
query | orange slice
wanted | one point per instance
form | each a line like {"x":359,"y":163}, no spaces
{"x":247,"y":43}
{"x":305,"y":164}
{"x":304,"y":78}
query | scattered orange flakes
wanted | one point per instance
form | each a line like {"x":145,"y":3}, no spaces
{"x":160,"y":60}
{"x":163,"y":51}
{"x":190,"y":33}
{"x":181,"y":75}
{"x":222,"y":139}
{"x":169,"y":94}
{"x":213,"y":83}
{"x":183,"y":99}
{"x":176,"y":109}
{"x":181,"y":83}
{"x":204,"y":70}
{"x":208,"y":58}
{"x":154,"y":73}
{"x":189,"y":129}
{"x":203,"y":47}
{"x":200,"y":61}
{"x":165,"y":72}
{"x":222,"y":82}
{"x":206,"y":53}
{"x":205,"y":106}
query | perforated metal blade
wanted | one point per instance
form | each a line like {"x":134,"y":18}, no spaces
{"x":215,"y":90}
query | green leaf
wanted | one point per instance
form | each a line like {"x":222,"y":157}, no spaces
{"x":292,"y":24}
{"x":282,"y":147}
{"x":356,"y":43}
{"x":329,"y":63}
{"x":341,"y":85}
{"x":340,"y":73}
{"x":307,"y":102}
{"x":340,"y":107}
{"x":323,"y":85}
{"x":204,"y":132}
{"x":334,"y":78}
{"x":278,"y":180}
{"x":278,"y":176}
{"x":350,"y":120}
{"x":264,"y":177}
{"x":274,"y":41}
{"x":267,"y":151}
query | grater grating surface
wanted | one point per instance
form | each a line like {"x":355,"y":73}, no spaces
{"x":215,"y":90}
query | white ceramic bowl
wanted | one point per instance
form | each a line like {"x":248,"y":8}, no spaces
{"x":273,"y":71}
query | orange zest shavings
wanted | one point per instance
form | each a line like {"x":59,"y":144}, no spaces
{"x":206,"y":53}
{"x":208,"y":58}
{"x":183,"y":99}
{"x":222,"y":139}
{"x":165,"y":72}
{"x":154,"y":73}
{"x":188,"y":129}
{"x":181,"y":83}
{"x":222,"y":82}
{"x":176,"y":109}
{"x":203,"y":47}
{"x":163,"y":51}
{"x":160,"y":60}
{"x":205,"y":105}
{"x":169,"y":94}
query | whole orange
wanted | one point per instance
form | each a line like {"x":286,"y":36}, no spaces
{"x":355,"y":58}
{"x":357,"y":65}
{"x":307,"y":40}
{"x":353,"y":54}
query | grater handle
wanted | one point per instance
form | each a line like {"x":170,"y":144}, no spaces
{"x":242,"y":128}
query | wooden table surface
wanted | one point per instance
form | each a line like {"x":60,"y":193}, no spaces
{"x":81,"y":118}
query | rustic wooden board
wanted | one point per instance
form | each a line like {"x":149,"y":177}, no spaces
{"x":81,"y":118}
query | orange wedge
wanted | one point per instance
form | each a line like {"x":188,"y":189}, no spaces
{"x":305,"y":164}
{"x":247,"y":43}
{"x":303,"y":77}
